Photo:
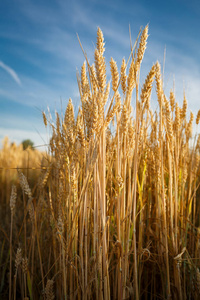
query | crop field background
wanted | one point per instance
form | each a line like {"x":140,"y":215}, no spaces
{"x":112,"y":210}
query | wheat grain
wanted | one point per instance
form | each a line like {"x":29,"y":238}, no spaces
{"x":13,"y":198}
{"x":123,"y":76}
{"x":172,"y":100}
{"x":177,"y":121}
{"x":131,"y":80}
{"x":100,"y":41}
{"x":100,"y":70}
{"x":25,"y":265}
{"x":142,"y":47}
{"x":198,"y":117}
{"x":158,"y":83}
{"x":184,"y":108}
{"x":18,"y":258}
{"x":44,"y":118}
{"x":49,"y":289}
{"x":114,"y":74}
{"x":147,"y":87}
{"x":24,"y":184}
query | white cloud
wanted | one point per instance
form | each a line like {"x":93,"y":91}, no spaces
{"x":57,"y":37}
{"x":11,"y":72}
{"x":35,"y":93}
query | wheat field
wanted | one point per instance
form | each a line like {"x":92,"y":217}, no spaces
{"x":113,"y":210}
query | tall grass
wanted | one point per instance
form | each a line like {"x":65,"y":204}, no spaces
{"x":116,"y":213}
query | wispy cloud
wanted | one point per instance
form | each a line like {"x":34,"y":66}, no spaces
{"x":35,"y":93}
{"x":49,"y":52}
{"x":11,"y":72}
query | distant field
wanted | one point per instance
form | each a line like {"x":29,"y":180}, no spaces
{"x":113,"y":211}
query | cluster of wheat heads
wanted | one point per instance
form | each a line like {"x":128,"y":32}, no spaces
{"x":14,"y":161}
{"x":116,"y":214}
{"x":13,"y":156}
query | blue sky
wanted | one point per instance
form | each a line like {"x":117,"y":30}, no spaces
{"x":40,"y":53}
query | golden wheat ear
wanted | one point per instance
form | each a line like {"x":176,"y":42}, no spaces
{"x":142,"y":47}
